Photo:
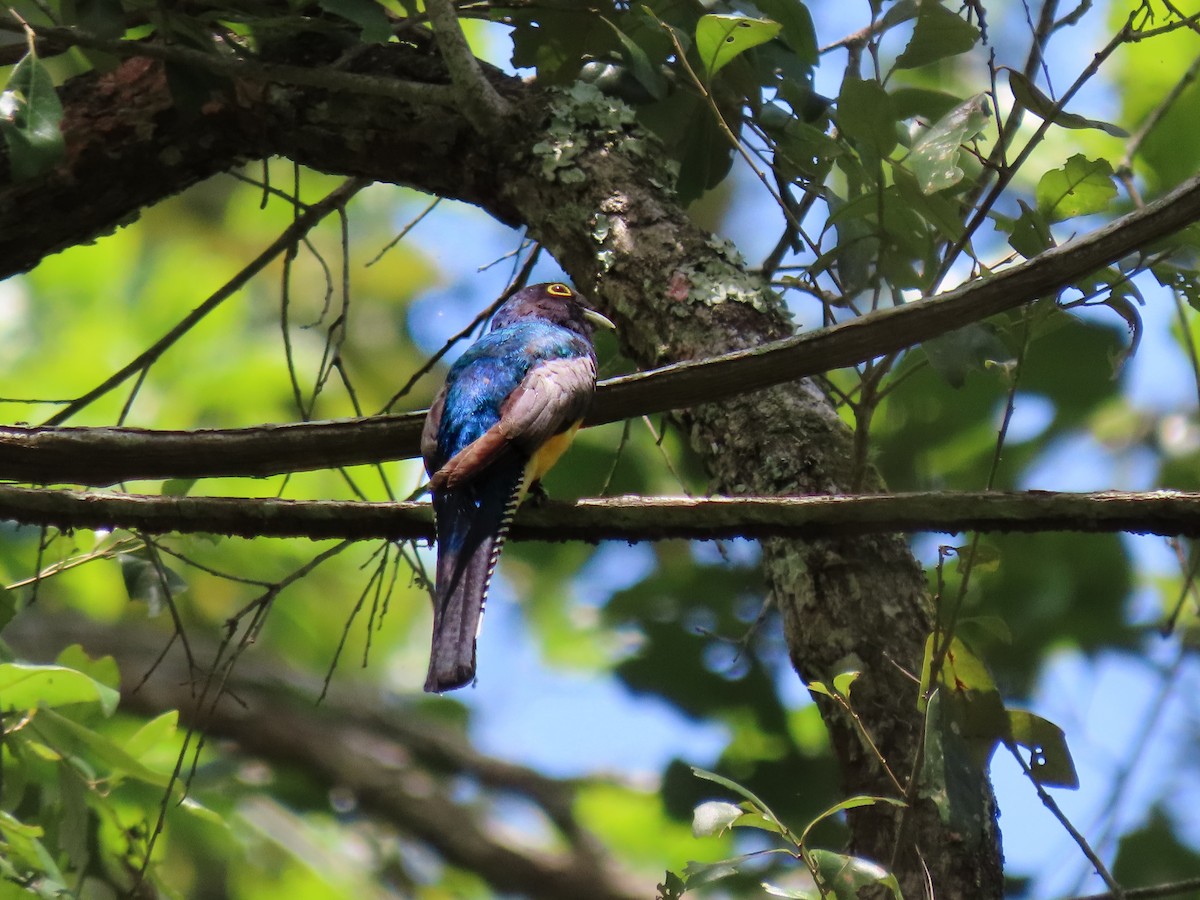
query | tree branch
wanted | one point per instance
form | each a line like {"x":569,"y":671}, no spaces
{"x":400,"y":765}
{"x":109,"y":455}
{"x":485,"y":108}
{"x":1165,"y":513}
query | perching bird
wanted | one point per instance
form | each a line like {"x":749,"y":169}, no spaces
{"x":511,"y":405}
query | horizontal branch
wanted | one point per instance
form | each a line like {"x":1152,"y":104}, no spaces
{"x":103,"y":456}
{"x":625,"y":518}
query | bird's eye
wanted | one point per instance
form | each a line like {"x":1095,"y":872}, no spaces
{"x":559,"y":290}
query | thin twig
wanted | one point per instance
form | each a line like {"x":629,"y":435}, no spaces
{"x":309,"y":218}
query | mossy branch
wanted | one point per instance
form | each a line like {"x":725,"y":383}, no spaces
{"x":1167,"y":513}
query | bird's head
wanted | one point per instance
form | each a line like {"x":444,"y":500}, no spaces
{"x":555,"y":302}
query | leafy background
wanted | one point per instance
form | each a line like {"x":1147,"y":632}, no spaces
{"x":618,"y":669}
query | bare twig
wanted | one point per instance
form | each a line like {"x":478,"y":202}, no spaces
{"x":303,"y":223}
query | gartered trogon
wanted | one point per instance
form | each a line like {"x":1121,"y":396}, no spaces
{"x":510,"y":406}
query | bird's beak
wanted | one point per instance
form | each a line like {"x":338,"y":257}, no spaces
{"x":598,"y":320}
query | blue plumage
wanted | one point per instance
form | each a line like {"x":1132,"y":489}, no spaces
{"x":510,"y":406}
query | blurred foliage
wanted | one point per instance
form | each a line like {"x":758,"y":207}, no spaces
{"x":883,"y":148}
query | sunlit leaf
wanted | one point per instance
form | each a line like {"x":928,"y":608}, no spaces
{"x":934,"y":158}
{"x":1050,"y":759}
{"x":722,"y":38}
{"x":843,"y":681}
{"x":155,"y":734}
{"x":714,"y":817}
{"x":30,"y":113}
{"x":1028,"y":94}
{"x":737,"y":789}
{"x":856,"y":802}
{"x":1082,"y":187}
{"x":939,"y":33}
{"x":178,"y":487}
{"x":847,"y":875}
{"x":98,"y":748}
{"x":24,"y":686}
{"x":697,"y":873}
{"x":102,"y":669}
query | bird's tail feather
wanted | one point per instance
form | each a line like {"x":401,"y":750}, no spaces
{"x":472,"y":523}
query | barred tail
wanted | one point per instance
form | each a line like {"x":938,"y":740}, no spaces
{"x":472,"y":522}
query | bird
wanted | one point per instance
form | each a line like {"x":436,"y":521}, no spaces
{"x":510,"y":407}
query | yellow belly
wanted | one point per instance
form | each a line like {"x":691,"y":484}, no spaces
{"x":547,"y":455}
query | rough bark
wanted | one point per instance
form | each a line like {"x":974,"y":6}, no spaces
{"x":591,"y":189}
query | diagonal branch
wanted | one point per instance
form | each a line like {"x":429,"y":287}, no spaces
{"x":305,"y":222}
{"x":1165,"y":513}
{"x":109,"y":455}
{"x":483,"y":106}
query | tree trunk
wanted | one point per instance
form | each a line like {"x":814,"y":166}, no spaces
{"x":589,"y":185}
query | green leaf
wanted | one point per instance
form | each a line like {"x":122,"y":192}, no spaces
{"x":950,"y":777}
{"x":639,"y":65}
{"x":855,"y":802}
{"x":927,"y":103}
{"x":30,"y":114}
{"x":1050,"y":759}
{"x":102,"y":669}
{"x":732,"y":785}
{"x":1082,"y":187}
{"x":714,"y":817}
{"x":8,"y":607}
{"x":24,"y":687}
{"x":865,"y":115}
{"x":842,"y":682}
{"x":968,"y":349}
{"x":934,"y":158}
{"x":22,"y":842}
{"x":720,"y":39}
{"x":96,"y":748}
{"x":1029,"y":96}
{"x":772,"y":890}
{"x":145,"y":583}
{"x":158,"y":732}
{"x":847,"y":875}
{"x":798,"y":31}
{"x":178,"y":487}
{"x":938,"y":33}
{"x":697,"y":873}
{"x":366,"y":14}
{"x":1031,"y":233}
{"x":74,"y":818}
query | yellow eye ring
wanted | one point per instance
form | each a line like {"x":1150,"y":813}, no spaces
{"x":559,"y":290}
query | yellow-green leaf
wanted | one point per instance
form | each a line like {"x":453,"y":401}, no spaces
{"x":721,"y":39}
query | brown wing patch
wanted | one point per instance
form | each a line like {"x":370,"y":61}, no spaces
{"x":553,"y":396}
{"x":471,"y":459}
{"x":429,"y":431}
